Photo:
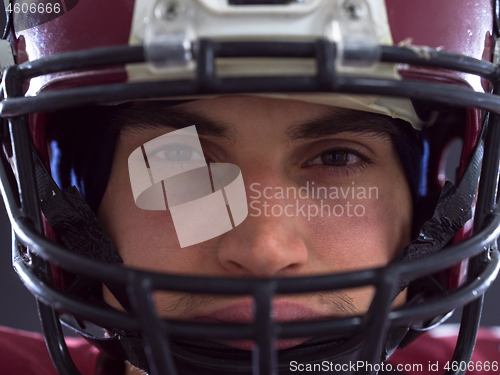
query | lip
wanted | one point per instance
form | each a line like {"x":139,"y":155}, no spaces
{"x":242,"y":312}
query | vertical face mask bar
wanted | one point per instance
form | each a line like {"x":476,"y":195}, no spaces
{"x":54,"y":338}
{"x":377,"y":320}
{"x":487,"y":194}
{"x":325,"y":63}
{"x":50,"y":324}
{"x":206,"y":66}
{"x":265,"y":352}
{"x":21,"y":147}
{"x":157,"y":347}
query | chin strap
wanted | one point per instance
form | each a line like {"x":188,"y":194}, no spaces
{"x":210,"y":358}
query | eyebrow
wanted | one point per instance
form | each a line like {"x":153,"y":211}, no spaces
{"x":334,"y":121}
{"x":155,"y":117}
{"x":340,"y":120}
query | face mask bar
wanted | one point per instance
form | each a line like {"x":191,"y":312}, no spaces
{"x":207,"y":82}
{"x":33,"y":266}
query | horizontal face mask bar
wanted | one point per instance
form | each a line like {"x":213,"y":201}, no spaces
{"x":120,"y":55}
{"x":325,"y":81}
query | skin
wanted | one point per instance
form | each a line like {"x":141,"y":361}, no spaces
{"x":268,"y":246}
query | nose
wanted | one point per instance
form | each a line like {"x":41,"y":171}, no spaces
{"x":263,"y":246}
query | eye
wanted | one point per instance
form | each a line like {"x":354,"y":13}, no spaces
{"x":178,"y":153}
{"x":336,"y":158}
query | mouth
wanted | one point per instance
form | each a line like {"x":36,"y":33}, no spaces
{"x":242,"y":312}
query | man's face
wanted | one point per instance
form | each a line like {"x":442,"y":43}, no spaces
{"x":340,"y":160}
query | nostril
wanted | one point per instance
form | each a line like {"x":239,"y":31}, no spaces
{"x":235,"y":267}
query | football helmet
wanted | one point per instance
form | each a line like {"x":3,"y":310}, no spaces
{"x":432,"y":64}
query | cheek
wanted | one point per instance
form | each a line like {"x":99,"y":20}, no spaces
{"x":143,"y":239}
{"x":369,"y":233}
{"x":148,"y":239}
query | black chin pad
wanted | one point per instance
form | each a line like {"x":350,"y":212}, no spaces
{"x":77,"y":227}
{"x":436,"y":232}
